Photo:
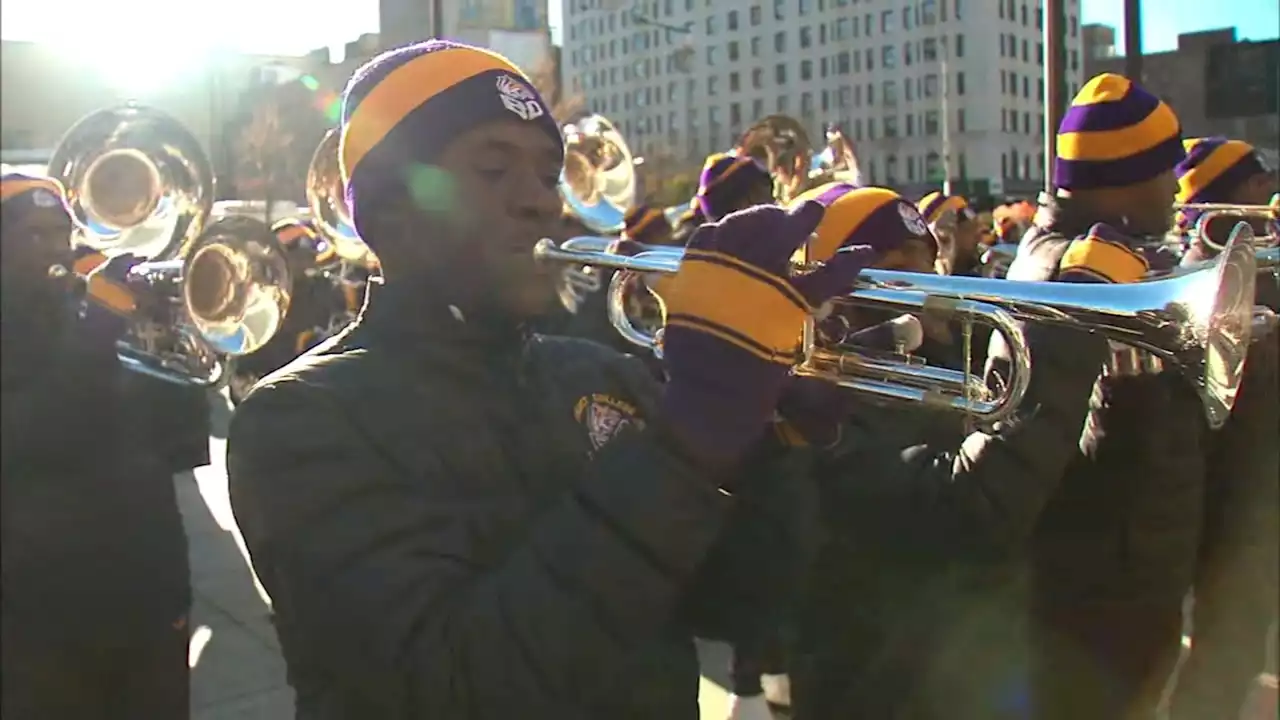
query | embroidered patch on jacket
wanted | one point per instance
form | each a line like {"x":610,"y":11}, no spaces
{"x":604,"y":416}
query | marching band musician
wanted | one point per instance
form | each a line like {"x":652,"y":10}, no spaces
{"x":456,"y":519}
{"x":730,"y":183}
{"x":314,"y":302}
{"x":917,"y":513}
{"x":1236,"y":593}
{"x":89,"y":453}
{"x":956,"y":226}
{"x":1115,"y":551}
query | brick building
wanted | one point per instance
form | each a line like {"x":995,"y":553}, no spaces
{"x":1217,"y":84}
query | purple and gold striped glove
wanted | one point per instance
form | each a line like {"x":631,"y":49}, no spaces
{"x":735,"y":314}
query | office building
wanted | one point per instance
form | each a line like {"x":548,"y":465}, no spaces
{"x":1216,"y":84}
{"x":683,"y":78}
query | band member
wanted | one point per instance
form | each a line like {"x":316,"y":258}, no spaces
{"x":313,"y":306}
{"x":1218,"y":170}
{"x":1115,"y":551}
{"x":919,"y":517}
{"x":89,"y":509}
{"x":1236,"y":582}
{"x":730,"y":183}
{"x":958,"y":231}
{"x":457,"y":519}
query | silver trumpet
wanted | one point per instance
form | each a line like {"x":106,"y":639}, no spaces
{"x":1201,"y":320}
{"x":138,"y":182}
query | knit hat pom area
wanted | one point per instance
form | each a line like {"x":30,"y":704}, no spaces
{"x":403,"y":108}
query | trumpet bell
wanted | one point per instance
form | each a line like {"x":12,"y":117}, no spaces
{"x":598,"y":181}
{"x":237,"y":285}
{"x":326,"y":197}
{"x":137,"y":181}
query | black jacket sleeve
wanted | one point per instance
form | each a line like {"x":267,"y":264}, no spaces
{"x":173,"y":420}
{"x":984,"y":496}
{"x":403,"y":607}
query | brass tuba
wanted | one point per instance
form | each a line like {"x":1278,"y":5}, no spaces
{"x":326,"y":196}
{"x":1201,"y":319}
{"x":781,"y":144}
{"x":598,"y":182}
{"x":138,"y":182}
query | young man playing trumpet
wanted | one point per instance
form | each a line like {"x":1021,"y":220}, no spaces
{"x":921,"y":517}
{"x":1236,"y":584}
{"x":458,"y":519}
{"x":95,"y":576}
{"x":1115,"y":551}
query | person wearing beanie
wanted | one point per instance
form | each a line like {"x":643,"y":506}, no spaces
{"x":458,"y":518}
{"x":905,"y":498}
{"x":1115,"y":551}
{"x":1237,"y":588}
{"x":90,"y":511}
{"x":730,"y":183}
{"x":958,"y":231}
{"x":1221,"y":171}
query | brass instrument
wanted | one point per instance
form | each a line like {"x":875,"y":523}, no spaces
{"x":138,"y":182}
{"x":327,"y":199}
{"x":598,"y":185}
{"x":598,"y":182}
{"x":1213,"y":211}
{"x":781,"y":144}
{"x":1201,"y":319}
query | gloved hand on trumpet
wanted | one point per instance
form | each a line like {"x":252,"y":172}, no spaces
{"x":735,"y":308}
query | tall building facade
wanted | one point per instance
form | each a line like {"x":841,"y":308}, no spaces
{"x":904,"y":78}
{"x":1216,"y":84}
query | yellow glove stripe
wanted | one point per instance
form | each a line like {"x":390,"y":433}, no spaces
{"x":788,"y":435}
{"x":745,"y":305}
{"x":746,"y":268}
{"x":734,"y":338}
{"x":1107,"y":260}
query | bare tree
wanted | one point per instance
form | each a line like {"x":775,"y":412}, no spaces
{"x":546,"y":80}
{"x":279,"y":130}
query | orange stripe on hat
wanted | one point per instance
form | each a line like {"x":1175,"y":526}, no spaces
{"x":407,"y":88}
{"x":16,"y":185}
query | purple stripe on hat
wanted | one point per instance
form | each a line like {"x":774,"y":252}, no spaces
{"x":928,"y":210}
{"x":1220,"y":189}
{"x":1128,"y":111}
{"x":1198,"y":153}
{"x":1087,"y":174}
{"x":885,"y":229}
{"x":833,"y":193}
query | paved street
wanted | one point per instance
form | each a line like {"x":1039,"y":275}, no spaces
{"x":237,"y":671}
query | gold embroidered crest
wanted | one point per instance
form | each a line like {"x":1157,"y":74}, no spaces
{"x":604,"y":416}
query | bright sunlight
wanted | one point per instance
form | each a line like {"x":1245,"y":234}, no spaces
{"x":140,"y":45}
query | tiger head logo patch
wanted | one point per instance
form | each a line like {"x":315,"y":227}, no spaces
{"x":604,"y":417}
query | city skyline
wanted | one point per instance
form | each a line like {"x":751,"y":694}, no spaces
{"x":253,"y":26}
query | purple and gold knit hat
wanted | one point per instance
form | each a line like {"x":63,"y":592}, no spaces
{"x":726,"y":178}
{"x":1213,"y":168}
{"x":1114,"y":134}
{"x":401,"y":109}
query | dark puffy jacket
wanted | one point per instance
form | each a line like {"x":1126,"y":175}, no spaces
{"x":923,"y":523}
{"x":455,"y":521}
{"x":1237,"y":587}
{"x":315,"y":301}
{"x":1115,"y":551}
{"x":89,"y":452}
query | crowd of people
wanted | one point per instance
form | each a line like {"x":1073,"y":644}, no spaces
{"x":475,"y":503}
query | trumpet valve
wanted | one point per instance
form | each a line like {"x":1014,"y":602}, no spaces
{"x":122,"y":188}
